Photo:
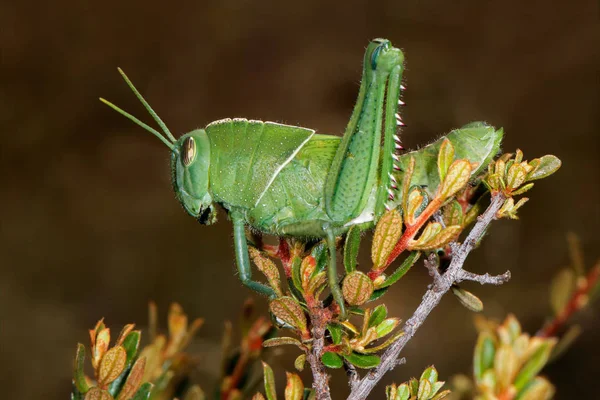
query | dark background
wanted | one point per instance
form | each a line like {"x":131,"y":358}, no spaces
{"x":90,"y":226}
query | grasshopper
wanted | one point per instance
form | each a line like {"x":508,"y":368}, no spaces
{"x":288,"y":181}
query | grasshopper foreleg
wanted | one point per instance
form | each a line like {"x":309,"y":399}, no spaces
{"x":242,"y":257}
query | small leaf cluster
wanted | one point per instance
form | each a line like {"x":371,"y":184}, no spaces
{"x":409,"y":225}
{"x":506,"y":362}
{"x":427,"y":387}
{"x":294,"y":388}
{"x":120,"y":373}
{"x":359,"y":346}
{"x":512,"y":176}
{"x":345,"y":340}
{"x":167,"y":362}
{"x":240,"y":366}
{"x":572,"y":289}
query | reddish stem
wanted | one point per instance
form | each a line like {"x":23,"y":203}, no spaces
{"x":250,"y":344}
{"x":575,"y":303}
{"x":408,"y":235}
{"x":283,"y":253}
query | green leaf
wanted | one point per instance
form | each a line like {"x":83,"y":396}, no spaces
{"x":445,"y":158}
{"x":332,"y":360}
{"x":386,"y":327}
{"x":336,"y":333}
{"x":294,"y":389}
{"x":75,"y":393}
{"x":78,"y":374}
{"x":386,"y":235}
{"x":548,"y":165}
{"x":403,"y":392}
{"x":289,"y":311}
{"x":415,"y":204}
{"x":409,"y":170}
{"x":430,"y":374}
{"x":425,"y":389}
{"x":279,"y":341}
{"x":442,"y":395}
{"x":534,"y":364}
{"x":453,"y":213}
{"x":523,"y":189}
{"x":458,"y":175}
{"x":561,"y":289}
{"x":488,"y":380}
{"x":431,"y":231}
{"x":143,"y":392}
{"x":300,"y":361}
{"x":378,"y":315}
{"x":414,"y":386}
{"x":378,"y":293}
{"x":351,"y":247}
{"x":131,"y":344}
{"x":483,"y":357}
{"x":309,"y":394}
{"x":268,"y":268}
{"x":473,"y":212}
{"x":116,"y":386}
{"x":538,"y":389}
{"x":408,"y":262}
{"x":112,"y":364}
{"x":506,"y":364}
{"x":296,"y":274}
{"x":515,"y":176}
{"x":436,"y":387}
{"x":363,"y":361}
{"x":394,"y":392}
{"x":269,"y":378}
{"x":96,"y":393}
{"x":384,"y":345}
{"x":134,"y":380}
{"x":439,"y":240}
{"x":357,"y":288}
{"x":320,"y":254}
{"x":467,"y":299}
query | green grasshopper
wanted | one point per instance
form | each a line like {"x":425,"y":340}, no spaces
{"x":288,"y":181}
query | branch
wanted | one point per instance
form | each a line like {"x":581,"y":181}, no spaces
{"x":485,"y":279}
{"x":432,"y":298}
{"x":320,"y":377}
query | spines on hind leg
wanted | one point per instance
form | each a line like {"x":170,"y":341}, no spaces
{"x":353,"y":178}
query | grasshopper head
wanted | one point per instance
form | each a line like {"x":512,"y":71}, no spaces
{"x":190,"y":159}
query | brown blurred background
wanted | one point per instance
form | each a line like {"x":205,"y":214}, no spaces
{"x":90,"y":226}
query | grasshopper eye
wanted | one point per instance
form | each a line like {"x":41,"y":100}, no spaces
{"x":189,"y":151}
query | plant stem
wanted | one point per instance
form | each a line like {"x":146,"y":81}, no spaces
{"x":430,"y":300}
{"x":578,"y":300}
{"x":319,"y":317}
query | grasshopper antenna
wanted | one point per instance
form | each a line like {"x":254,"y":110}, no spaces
{"x":149,"y":109}
{"x":140,"y":123}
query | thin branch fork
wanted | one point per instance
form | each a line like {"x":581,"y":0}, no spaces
{"x":442,"y":283}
